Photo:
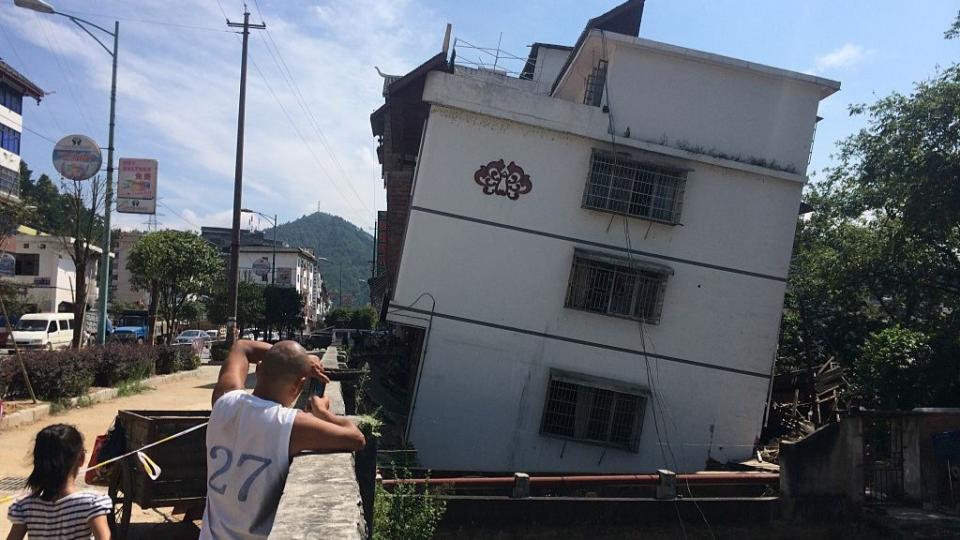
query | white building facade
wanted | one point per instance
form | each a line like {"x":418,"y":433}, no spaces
{"x":13,"y":88}
{"x":295,"y":267}
{"x":598,"y":265}
{"x":47,"y":273}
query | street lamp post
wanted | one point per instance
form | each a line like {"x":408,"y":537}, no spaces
{"x":273,"y":265}
{"x":43,"y":7}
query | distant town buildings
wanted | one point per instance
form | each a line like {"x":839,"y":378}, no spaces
{"x":593,"y":254}
{"x":13,"y":88}
{"x":294,"y":267}
{"x":121,"y":284}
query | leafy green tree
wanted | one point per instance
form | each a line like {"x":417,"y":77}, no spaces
{"x":283,"y":308}
{"x":174,"y":266}
{"x":192,"y":311}
{"x":250,"y":304}
{"x":888,"y":370}
{"x":354,"y":318}
{"x":879,"y":259}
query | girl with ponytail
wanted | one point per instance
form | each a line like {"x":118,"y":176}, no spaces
{"x":54,"y":508}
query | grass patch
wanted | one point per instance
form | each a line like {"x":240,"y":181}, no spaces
{"x":131,"y":388}
{"x":63,"y":405}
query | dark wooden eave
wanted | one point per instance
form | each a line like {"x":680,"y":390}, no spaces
{"x":19,"y":82}
{"x":624,"y":19}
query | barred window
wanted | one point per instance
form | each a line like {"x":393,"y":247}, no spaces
{"x":593,"y":95}
{"x":616,"y":286}
{"x":593,"y":410}
{"x":622,"y":185}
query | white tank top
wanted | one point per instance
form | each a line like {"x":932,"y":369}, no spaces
{"x":248,"y":457}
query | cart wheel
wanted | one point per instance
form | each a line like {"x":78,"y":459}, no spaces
{"x":121,"y":492}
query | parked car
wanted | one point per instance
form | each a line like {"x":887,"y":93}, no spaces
{"x":188,"y":337}
{"x":214,"y":334}
{"x":44,"y":331}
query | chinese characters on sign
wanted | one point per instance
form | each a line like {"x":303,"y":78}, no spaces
{"x":137,"y":186}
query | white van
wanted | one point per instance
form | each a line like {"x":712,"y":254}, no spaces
{"x":51,"y":331}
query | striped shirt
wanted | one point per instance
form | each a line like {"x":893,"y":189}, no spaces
{"x":65,"y":519}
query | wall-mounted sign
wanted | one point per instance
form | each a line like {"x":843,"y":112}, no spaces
{"x":509,"y":181}
{"x":137,"y":186}
{"x":261,"y":266}
{"x":77,"y":157}
{"x":137,"y":206}
{"x":41,"y":282}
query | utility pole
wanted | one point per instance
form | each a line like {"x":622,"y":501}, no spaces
{"x":273,"y":266}
{"x":234,"y":276}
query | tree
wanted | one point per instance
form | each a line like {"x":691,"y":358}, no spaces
{"x":78,"y":235}
{"x":250,"y":304}
{"x":354,"y":318}
{"x":878,"y":262}
{"x":283,"y":308}
{"x":175,"y":266}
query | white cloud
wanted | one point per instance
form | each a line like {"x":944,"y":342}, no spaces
{"x":846,"y":55}
{"x":177,"y":99}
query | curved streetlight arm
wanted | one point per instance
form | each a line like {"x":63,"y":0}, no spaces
{"x":80,"y":23}
{"x":261,"y":214}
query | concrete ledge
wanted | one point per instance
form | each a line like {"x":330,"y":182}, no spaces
{"x":43,"y":409}
{"x":322,"y":498}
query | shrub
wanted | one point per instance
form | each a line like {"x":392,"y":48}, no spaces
{"x":406,"y":514}
{"x":54,"y":375}
{"x":122,"y":362}
{"x":168,"y":359}
{"x":218,"y":351}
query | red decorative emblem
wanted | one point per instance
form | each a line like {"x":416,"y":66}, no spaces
{"x":506,"y":180}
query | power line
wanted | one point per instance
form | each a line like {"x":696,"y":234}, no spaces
{"x":185,"y":220}
{"x":66,"y":74}
{"x":287,"y":74}
{"x":38,"y":134}
{"x":148,"y":21}
{"x":297,"y":129}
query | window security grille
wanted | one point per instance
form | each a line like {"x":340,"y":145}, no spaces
{"x":622,"y":185}
{"x":616,"y":286}
{"x":593,"y":95}
{"x":584,"y":408}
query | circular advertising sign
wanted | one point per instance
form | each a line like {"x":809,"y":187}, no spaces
{"x":77,"y":157}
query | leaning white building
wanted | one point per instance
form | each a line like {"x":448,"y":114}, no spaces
{"x":595,"y":255}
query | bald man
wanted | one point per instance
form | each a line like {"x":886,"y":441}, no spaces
{"x":251,"y":438}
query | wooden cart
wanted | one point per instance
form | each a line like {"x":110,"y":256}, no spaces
{"x":183,"y":481}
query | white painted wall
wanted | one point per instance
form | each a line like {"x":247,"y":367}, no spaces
{"x":720,"y":104}
{"x":55,"y":264}
{"x":549,"y":63}
{"x":483,"y":383}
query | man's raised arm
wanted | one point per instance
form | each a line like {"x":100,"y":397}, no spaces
{"x":233,"y":373}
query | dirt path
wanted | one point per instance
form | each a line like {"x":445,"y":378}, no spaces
{"x":189,"y":393}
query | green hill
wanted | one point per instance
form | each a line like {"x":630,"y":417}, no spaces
{"x":339,"y":241}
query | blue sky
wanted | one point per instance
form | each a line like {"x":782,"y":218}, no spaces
{"x":308,"y":142}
